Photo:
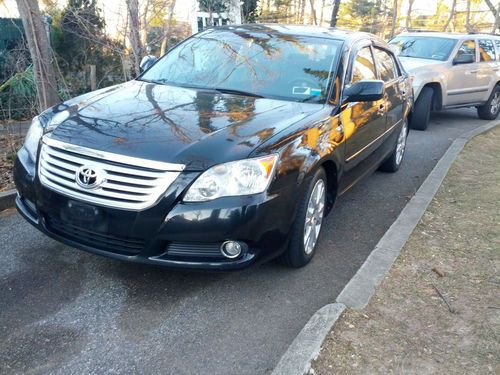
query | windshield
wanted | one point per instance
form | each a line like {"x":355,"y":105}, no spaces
{"x":246,"y":62}
{"x":423,"y":47}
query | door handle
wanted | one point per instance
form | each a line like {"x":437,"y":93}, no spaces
{"x":473,"y":71}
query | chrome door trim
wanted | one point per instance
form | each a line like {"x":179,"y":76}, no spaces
{"x":372,"y":142}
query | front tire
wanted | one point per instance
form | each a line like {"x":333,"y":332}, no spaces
{"x":308,"y":222}
{"x":393,"y":163}
{"x":489,"y":111}
{"x":422,"y":110}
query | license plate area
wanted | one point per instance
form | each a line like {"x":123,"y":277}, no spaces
{"x":84,"y":215}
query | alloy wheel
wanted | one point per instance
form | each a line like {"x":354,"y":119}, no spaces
{"x":401,"y":145}
{"x":495,"y":103}
{"x":314,"y":216}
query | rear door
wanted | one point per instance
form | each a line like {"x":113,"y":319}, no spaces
{"x":463,"y":83}
{"x":488,"y":66}
{"x":389,"y":73}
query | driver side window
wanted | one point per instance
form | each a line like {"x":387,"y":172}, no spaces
{"x":363,"y":66}
{"x":467,"y":47}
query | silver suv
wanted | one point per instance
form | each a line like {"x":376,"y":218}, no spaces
{"x":451,"y":71}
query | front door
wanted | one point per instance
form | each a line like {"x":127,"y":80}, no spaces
{"x":363,"y":122}
{"x":465,"y":83}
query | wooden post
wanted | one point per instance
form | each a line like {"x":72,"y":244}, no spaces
{"x":93,"y":78}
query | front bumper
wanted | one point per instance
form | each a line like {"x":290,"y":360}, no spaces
{"x":172,"y":233}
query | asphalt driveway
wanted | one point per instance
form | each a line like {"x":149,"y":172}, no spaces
{"x":65,"y":311}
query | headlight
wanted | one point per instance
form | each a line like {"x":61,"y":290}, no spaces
{"x":33,"y":138}
{"x":242,"y":177}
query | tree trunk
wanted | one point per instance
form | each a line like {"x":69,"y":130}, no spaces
{"x":467,"y":18}
{"x":41,"y":53}
{"x":497,"y":20}
{"x":335,"y":13}
{"x":144,"y":25}
{"x":313,"y":12}
{"x":134,"y":35}
{"x":322,"y":12}
{"x":394,"y":18}
{"x":166,"y":36}
{"x":452,"y":11}
{"x":302,"y":11}
{"x":408,"y":14}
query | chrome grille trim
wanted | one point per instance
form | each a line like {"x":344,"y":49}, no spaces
{"x":130,"y":183}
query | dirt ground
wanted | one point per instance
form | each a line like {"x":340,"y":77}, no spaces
{"x":10,"y":142}
{"x":438,"y":309}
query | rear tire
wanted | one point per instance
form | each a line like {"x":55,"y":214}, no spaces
{"x":422,"y":110}
{"x":308,"y":220}
{"x":490,"y":110}
{"x":395,"y":160}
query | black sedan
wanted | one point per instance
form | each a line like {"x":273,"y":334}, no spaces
{"x":227,"y":152}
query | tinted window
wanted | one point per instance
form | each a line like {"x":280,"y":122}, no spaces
{"x":469,"y":47}
{"x":385,"y":64}
{"x":486,"y":50}
{"x":271,"y":65}
{"x":423,"y":47}
{"x":497,"y":44}
{"x":363,"y":67}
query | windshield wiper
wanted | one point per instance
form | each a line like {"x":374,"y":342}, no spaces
{"x":223,"y":90}
{"x":158,"y":82}
{"x":237,"y":92}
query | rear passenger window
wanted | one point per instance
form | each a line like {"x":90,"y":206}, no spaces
{"x":497,"y":44}
{"x":486,"y":50}
{"x":469,"y":47}
{"x":363,"y":67}
{"x":386,"y":65}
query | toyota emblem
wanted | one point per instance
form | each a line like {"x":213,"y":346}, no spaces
{"x":89,"y":177}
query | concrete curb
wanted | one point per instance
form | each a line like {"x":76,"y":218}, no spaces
{"x":358,"y":291}
{"x":306,"y":346}
{"x":7,"y":199}
{"x":361,"y":287}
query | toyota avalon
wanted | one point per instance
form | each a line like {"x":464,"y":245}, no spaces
{"x":228,"y":151}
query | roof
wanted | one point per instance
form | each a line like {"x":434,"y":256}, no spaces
{"x":301,"y":30}
{"x":437,"y":34}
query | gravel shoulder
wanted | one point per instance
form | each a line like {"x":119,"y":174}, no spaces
{"x":437,"y":309}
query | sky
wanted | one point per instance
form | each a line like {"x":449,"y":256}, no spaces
{"x":114,"y":11}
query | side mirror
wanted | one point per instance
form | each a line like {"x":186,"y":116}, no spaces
{"x":364,"y":91}
{"x":464,"y":58}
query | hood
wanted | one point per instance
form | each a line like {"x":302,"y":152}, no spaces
{"x":197,"y":128}
{"x":412,"y":64}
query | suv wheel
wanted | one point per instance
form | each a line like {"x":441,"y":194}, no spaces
{"x":489,"y":111}
{"x":422,"y":110}
{"x":394,"y":161}
{"x":307,"y":225}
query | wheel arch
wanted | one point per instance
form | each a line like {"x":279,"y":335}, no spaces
{"x":331,"y":171}
{"x":437,"y":98}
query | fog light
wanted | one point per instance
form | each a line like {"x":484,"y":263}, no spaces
{"x":231,"y":249}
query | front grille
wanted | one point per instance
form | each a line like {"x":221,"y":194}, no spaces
{"x":194,"y":250}
{"x":126,"y":182}
{"x":94,"y":239}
